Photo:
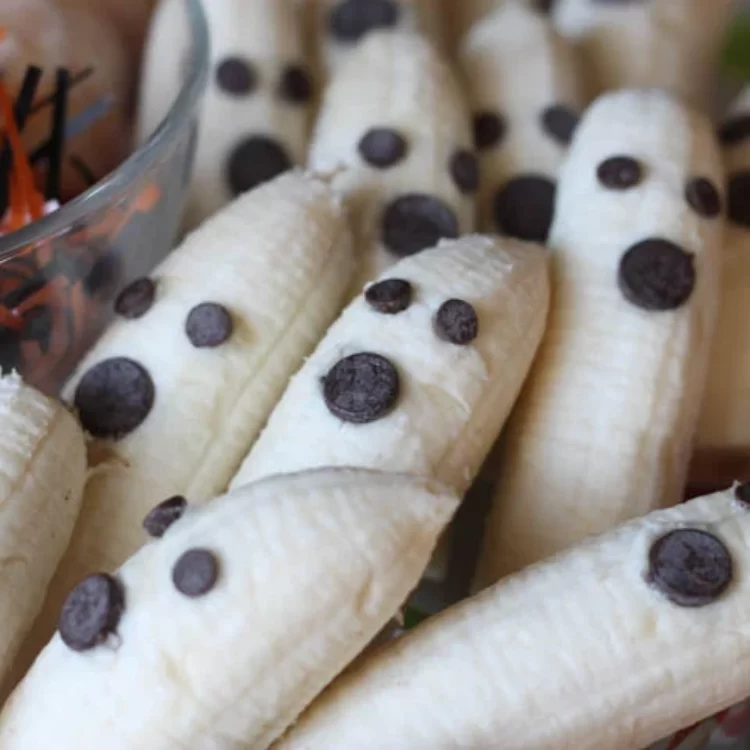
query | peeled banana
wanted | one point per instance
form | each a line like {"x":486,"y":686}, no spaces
{"x":42,"y":472}
{"x":393,"y":134}
{"x":603,"y":430}
{"x":255,"y":118}
{"x":177,"y":390}
{"x":219,"y":634}
{"x":523,"y":124}
{"x":614,"y":644}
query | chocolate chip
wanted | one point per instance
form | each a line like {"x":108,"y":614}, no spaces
{"x":619,"y":172}
{"x":742,"y":493}
{"x":235,"y":76}
{"x":703,"y":197}
{"x":415,"y":222}
{"x":382,"y":147}
{"x":464,"y":169}
{"x":656,"y":274}
{"x":253,"y":161}
{"x":560,"y":122}
{"x":296,"y":85}
{"x":735,"y":130}
{"x":524,"y":207}
{"x":489,"y":129}
{"x":350,"y":20}
{"x":739,"y":198}
{"x":691,"y":568}
{"x":208,"y":325}
{"x":361,"y":388}
{"x":196,"y":572}
{"x":136,"y":299}
{"x":91,"y":612}
{"x":456,"y":322}
{"x":114,"y":397}
{"x":389,"y":296}
{"x":164,"y":515}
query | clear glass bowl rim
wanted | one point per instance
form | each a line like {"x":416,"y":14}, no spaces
{"x":99,"y":195}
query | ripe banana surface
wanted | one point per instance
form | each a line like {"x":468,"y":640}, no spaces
{"x":604,"y":428}
{"x":615,"y":643}
{"x":42,"y":472}
{"x":219,"y":634}
{"x":523,"y":124}
{"x":394,"y":135}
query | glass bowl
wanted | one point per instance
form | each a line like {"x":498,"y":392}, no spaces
{"x":60,"y":275}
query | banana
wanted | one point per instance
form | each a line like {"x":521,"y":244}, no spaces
{"x":419,"y":373}
{"x":42,"y":472}
{"x":603,"y":430}
{"x":660,"y":43}
{"x":522,"y":124}
{"x":255,"y":119}
{"x":176,"y":391}
{"x":394,"y":136}
{"x":614,"y":644}
{"x":340,"y":26}
{"x":222,"y":632}
{"x":723,"y":428}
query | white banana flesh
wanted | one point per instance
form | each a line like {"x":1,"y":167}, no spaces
{"x":450,"y":400}
{"x":725,"y":416}
{"x":42,"y":472}
{"x":603,"y":430}
{"x":341,"y":26}
{"x":306,"y":570}
{"x":276,"y":262}
{"x":255,"y":118}
{"x":667,"y":44}
{"x":523,"y":124}
{"x":394,"y":135}
{"x":614,"y":644}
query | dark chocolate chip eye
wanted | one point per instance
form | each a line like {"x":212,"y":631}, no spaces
{"x":196,"y":572}
{"x":416,"y":222}
{"x":164,"y":515}
{"x":136,"y":299}
{"x":560,"y":122}
{"x":739,"y":198}
{"x":382,"y":147}
{"x":735,"y":130}
{"x":456,"y":322}
{"x":208,"y":325}
{"x":361,"y":388}
{"x":524,"y":207}
{"x":114,"y":397}
{"x":692,"y":568}
{"x":255,"y":160}
{"x":464,"y":169}
{"x":235,"y":76}
{"x":489,"y":130}
{"x":389,"y":296}
{"x":91,"y":612}
{"x":619,"y":173}
{"x":657,"y":275}
{"x":296,"y":85}
{"x":703,"y":197}
{"x":350,"y":20}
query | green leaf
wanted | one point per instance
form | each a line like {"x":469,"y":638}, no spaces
{"x":736,"y":54}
